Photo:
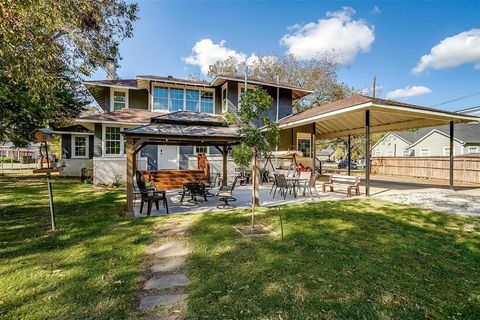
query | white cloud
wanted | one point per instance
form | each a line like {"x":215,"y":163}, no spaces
{"x":376,"y":10}
{"x":338,"y":33}
{"x":408,"y":92}
{"x":205,"y":53}
{"x":453,"y":51}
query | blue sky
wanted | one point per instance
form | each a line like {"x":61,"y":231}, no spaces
{"x":386,"y":39}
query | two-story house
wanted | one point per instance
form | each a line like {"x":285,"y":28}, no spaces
{"x":429,"y":142}
{"x":128,"y":103}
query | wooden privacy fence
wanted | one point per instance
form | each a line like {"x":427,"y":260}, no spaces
{"x":465,"y":168}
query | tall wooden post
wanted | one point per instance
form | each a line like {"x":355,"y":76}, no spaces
{"x":451,"y":154}
{"x":225,"y":165}
{"x":130,"y":173}
{"x":349,"y":157}
{"x":367,"y":152}
{"x":314,"y":147}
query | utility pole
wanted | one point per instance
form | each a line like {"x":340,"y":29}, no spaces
{"x":374,"y":86}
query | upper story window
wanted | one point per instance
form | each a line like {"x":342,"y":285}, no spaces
{"x":241,"y":90}
{"x":178,"y":99}
{"x":224,"y":98}
{"x":80,"y":146}
{"x":119,"y":99}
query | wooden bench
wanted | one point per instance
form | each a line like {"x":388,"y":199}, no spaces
{"x":351,"y":182}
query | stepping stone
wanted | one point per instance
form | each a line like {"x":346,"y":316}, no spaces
{"x":151,"y":302}
{"x":170,"y":265}
{"x":170,"y":249}
{"x":173,"y":231}
{"x":168,"y":281}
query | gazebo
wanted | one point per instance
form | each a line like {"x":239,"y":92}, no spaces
{"x":182,"y":128}
{"x":365,"y":115}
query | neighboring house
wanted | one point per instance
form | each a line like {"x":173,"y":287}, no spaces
{"x":9,"y":150}
{"x":433,"y":141}
{"x":327,"y":154}
{"x":475,"y":111}
{"x":131,"y":103}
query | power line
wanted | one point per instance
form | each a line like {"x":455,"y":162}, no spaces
{"x":457,"y":99}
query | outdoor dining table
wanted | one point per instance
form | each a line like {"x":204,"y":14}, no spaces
{"x":295,"y":183}
{"x":194,"y":189}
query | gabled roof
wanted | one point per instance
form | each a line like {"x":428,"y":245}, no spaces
{"x":124,"y":116}
{"x":463,"y":133}
{"x":171,"y":79}
{"x":326,"y":152}
{"x":126,"y":83}
{"x":73,"y":129}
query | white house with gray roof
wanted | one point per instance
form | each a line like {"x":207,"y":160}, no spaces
{"x":429,"y":142}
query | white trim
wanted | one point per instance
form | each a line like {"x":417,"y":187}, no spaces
{"x":224,"y":107}
{"x":87,"y":142}
{"x":260,"y":83}
{"x":426,"y":150}
{"x":432,"y":132}
{"x":112,"y":94}
{"x":377,"y":153}
{"x":469,"y":148}
{"x":75,"y":133}
{"x":446,"y":151}
{"x":113,"y":122}
{"x":180,"y":83}
{"x":386,"y":135}
{"x":184,"y":88}
{"x":239,"y":89}
{"x":122,"y":142}
{"x":98,"y":84}
{"x":195,"y":149}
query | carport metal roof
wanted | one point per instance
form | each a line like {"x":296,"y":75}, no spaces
{"x":347,"y":116}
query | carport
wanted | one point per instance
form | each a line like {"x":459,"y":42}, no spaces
{"x":365,"y":115}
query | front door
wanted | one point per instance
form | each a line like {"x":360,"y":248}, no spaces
{"x":167,"y":157}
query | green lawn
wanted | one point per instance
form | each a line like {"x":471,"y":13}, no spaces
{"x":360,"y":259}
{"x":88,"y":269}
{"x":348,"y":259}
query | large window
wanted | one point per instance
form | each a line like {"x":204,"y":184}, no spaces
{"x":206,"y":102}
{"x":80,"y":146}
{"x":119,"y":99}
{"x":192,"y":99}
{"x":201,"y":149}
{"x":176,"y":99}
{"x":160,"y":98}
{"x":113,"y":141}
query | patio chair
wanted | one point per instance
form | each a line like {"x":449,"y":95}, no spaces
{"x":225,"y":194}
{"x":304,"y":177}
{"x":312,"y":184}
{"x":282,"y":185}
{"x":274,"y":184}
{"x":211,"y":183}
{"x":150,"y":196}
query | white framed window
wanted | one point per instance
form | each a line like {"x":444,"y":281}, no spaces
{"x":201,"y":149}
{"x":224,"y":98}
{"x":407,"y":153}
{"x":425,"y":152}
{"x":79,"y":146}
{"x":473,"y":149}
{"x":241,"y":89}
{"x":118,"y":99}
{"x":390,"y":153}
{"x":446,"y":151}
{"x":175,"y":98}
{"x":377,"y":153}
{"x":113,"y":142}
{"x":304,"y":143}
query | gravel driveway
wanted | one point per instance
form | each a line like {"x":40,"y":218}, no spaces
{"x":451,"y":202}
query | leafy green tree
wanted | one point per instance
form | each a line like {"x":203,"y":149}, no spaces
{"x":318,"y":74}
{"x":46,"y":48}
{"x":258,"y":132}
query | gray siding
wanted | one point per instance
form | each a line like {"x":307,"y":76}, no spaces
{"x":138,"y":99}
{"x":97,"y":140}
{"x":91,"y":146}
{"x":67,"y":146}
{"x":185,"y":151}
{"x":436,"y":142}
{"x":390,"y":143}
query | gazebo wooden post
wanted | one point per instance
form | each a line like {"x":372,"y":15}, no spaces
{"x":314,"y":148}
{"x":367,"y":152}
{"x":451,"y":155}
{"x":225,"y":165}
{"x":131,"y":155}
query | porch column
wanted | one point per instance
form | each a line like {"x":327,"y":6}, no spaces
{"x":131,"y":168}
{"x":349,"y":157}
{"x":451,"y":154}
{"x":367,"y":152}
{"x":314,"y":147}
{"x":225,"y":165}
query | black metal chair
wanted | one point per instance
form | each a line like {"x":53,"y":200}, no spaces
{"x":211,"y":183}
{"x":225,"y":194}
{"x":150,"y":196}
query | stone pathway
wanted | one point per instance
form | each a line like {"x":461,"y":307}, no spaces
{"x":164,"y":292}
